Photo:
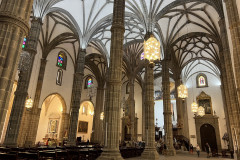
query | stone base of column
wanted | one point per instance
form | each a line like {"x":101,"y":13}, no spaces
{"x":150,"y":154}
{"x":109,"y":154}
{"x":170,"y":152}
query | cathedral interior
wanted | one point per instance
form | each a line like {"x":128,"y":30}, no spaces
{"x":119,"y":78}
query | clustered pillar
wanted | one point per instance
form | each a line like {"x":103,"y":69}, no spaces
{"x":113,"y":92}
{"x":167,"y":109}
{"x":98,"y":123}
{"x":23,"y":83}
{"x":231,"y":99}
{"x":150,"y":149}
{"x":76,"y":97}
{"x":14,"y":19}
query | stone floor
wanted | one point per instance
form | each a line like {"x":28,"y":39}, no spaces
{"x":186,"y":156}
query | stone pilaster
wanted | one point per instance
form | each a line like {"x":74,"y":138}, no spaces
{"x":23,"y":84}
{"x":76,"y":97}
{"x":150,"y":149}
{"x":35,"y":111}
{"x":132,"y":108}
{"x":14,"y":18}
{"x":112,"y":106}
{"x":180,"y":123}
{"x":167,"y":109}
{"x":98,"y":124}
{"x":232,"y":100}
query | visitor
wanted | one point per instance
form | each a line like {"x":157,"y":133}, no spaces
{"x":198,"y":150}
{"x":207,"y":147}
{"x":191,"y":149}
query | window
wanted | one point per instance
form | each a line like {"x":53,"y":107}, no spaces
{"x":202,"y":80}
{"x":24,"y":42}
{"x":142,"y":56}
{"x":62,"y":60}
{"x":59,"y":77}
{"x":88,"y":82}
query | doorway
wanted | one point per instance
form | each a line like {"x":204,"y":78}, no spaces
{"x":208,"y":135}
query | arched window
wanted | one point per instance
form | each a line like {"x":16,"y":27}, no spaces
{"x":88,"y":82}
{"x":62,"y":60}
{"x":142,"y":56}
{"x":59,"y":77}
{"x":202,"y":80}
{"x":24,"y":42}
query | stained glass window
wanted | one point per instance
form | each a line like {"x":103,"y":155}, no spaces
{"x":24,"y":42}
{"x":142,"y":56}
{"x":202,"y":80}
{"x":88,"y":82}
{"x":62,"y":60}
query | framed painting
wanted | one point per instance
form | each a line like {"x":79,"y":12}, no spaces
{"x":53,"y":126}
{"x":204,"y":100}
{"x":83,"y":126}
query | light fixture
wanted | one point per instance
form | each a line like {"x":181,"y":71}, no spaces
{"x":194,"y":107}
{"x":201,"y":111}
{"x":182,"y":91}
{"x":29,"y":103}
{"x":151,"y":48}
{"x":102,"y":116}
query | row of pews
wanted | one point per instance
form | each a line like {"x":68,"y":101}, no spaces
{"x":81,"y":152}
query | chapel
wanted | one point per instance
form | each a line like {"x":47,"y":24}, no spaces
{"x":119,"y":79}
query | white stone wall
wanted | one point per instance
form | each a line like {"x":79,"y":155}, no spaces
{"x":214,"y":91}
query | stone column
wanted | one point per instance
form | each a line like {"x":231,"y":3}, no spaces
{"x":167,"y":109}
{"x":132,"y":108}
{"x":143,"y":109}
{"x":112,"y":105}
{"x":23,"y":84}
{"x":64,"y":127}
{"x":234,"y":26}
{"x":229,"y":86}
{"x":226,"y":103}
{"x":98,"y":124}
{"x":14,"y":19}
{"x":35,"y":111}
{"x":76,"y":97}
{"x":150,"y":149}
{"x":179,"y":102}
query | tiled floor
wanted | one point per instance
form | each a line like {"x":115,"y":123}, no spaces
{"x":186,"y":156}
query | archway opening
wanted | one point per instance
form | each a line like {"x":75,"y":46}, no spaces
{"x":51,"y":119}
{"x":85,"y":121}
{"x":208,"y":135}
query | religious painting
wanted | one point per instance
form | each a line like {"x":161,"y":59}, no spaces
{"x":53,"y":126}
{"x":83,"y":126}
{"x":204,"y":100}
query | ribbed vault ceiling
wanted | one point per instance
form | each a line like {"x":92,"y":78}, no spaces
{"x":188,"y":29}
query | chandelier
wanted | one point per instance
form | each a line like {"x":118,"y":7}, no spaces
{"x":151,"y":48}
{"x":201,"y":111}
{"x":29,"y":103}
{"x":182,"y":91}
{"x":102,"y":116}
{"x":194,"y":107}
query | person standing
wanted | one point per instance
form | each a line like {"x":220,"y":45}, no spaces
{"x":198,"y":150}
{"x":207,"y":147}
{"x":191,"y":149}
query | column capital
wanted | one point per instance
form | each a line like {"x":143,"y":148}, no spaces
{"x":5,"y":17}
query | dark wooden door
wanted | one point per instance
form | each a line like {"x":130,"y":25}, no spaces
{"x":208,"y":135}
